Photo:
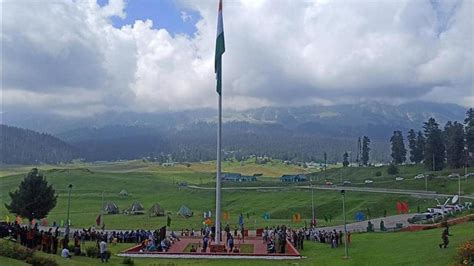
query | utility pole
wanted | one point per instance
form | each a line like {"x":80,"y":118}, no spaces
{"x":68,"y":208}
{"x":346,"y":248}
{"x":312,"y":203}
{"x":102,"y":213}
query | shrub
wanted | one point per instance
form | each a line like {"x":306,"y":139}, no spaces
{"x":128,"y":261}
{"x":15,"y":251}
{"x":392,"y":169}
{"x":41,"y":261}
{"x":378,"y":173}
{"x":92,"y":252}
{"x":465,"y":253}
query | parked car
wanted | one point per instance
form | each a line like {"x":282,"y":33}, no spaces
{"x":454,"y":175}
{"x":329,"y":183}
{"x":421,"y":217}
{"x":347,"y":182}
{"x":399,"y":178}
{"x":420,"y":176}
{"x":368,"y":181}
{"x":469,"y":175}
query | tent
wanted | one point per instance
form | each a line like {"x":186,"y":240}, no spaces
{"x":156,"y":210}
{"x":123,"y":193}
{"x":136,"y":208}
{"x":185,"y":212}
{"x":111,"y":208}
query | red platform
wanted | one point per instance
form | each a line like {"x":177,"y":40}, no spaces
{"x":178,"y":250}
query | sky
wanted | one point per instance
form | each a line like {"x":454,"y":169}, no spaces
{"x":83,"y":57}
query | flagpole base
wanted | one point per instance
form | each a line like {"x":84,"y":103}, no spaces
{"x":214,"y":248}
{"x":345,"y":257}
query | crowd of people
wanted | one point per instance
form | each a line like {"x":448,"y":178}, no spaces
{"x":53,"y":240}
{"x":275,"y":237}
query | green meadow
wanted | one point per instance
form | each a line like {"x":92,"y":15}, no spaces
{"x":150,"y":183}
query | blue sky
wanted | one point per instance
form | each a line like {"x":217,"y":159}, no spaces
{"x":164,"y":14}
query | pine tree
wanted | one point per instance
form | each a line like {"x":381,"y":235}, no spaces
{"x":345,"y":159}
{"x":365,"y":150}
{"x":420,"y":147}
{"x":469,"y":135}
{"x":454,"y":137}
{"x":34,"y":199}
{"x":434,"y":151}
{"x":412,"y":145}
{"x":399,"y":151}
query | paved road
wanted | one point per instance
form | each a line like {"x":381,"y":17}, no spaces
{"x":419,"y":193}
{"x":389,"y":221}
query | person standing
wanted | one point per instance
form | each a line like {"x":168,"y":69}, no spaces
{"x":445,"y":237}
{"x":103,"y":251}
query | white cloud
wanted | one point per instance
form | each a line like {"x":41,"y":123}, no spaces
{"x":277,"y":53}
{"x":185,"y":16}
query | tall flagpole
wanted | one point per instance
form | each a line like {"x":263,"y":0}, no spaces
{"x":218,"y":174}
{"x":220,"y":49}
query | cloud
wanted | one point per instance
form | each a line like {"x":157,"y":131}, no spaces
{"x":277,"y":53}
{"x":185,"y":16}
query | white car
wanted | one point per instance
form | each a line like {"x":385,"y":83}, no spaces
{"x":368,"y":181}
{"x":420,"y":176}
{"x":454,"y":175}
{"x":469,"y":175}
{"x":399,"y":178}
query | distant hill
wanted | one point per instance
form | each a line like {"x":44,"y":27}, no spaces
{"x":23,"y":146}
{"x":302,"y":133}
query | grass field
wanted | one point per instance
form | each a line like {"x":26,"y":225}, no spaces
{"x":407,"y":248}
{"x":149,"y":183}
{"x":151,"y":187}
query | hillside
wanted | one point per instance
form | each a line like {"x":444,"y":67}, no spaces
{"x":290,"y":133}
{"x":23,"y":146}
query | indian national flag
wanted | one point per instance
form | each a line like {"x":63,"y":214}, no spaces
{"x":220,"y":49}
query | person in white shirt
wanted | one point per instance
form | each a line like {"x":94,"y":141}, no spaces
{"x":65,"y":253}
{"x":103,"y":251}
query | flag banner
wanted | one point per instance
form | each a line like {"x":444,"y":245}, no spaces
{"x":266,"y":216}
{"x":207,"y":214}
{"x":241,"y":219}
{"x":360,"y":216}
{"x":405,"y":207}
{"x":220,"y":49}
{"x":226,"y":216}
{"x":98,"y":220}
{"x":61,"y":223}
{"x":399,"y":207}
{"x":7,"y":218}
{"x":296,"y":217}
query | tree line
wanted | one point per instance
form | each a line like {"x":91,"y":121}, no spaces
{"x":435,"y":147}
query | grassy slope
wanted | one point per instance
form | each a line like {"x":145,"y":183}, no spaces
{"x":419,"y":248}
{"x":150,"y":187}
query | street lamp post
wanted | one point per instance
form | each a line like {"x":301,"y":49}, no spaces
{"x":68,"y":208}
{"x":312,"y":203}
{"x":346,"y":248}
